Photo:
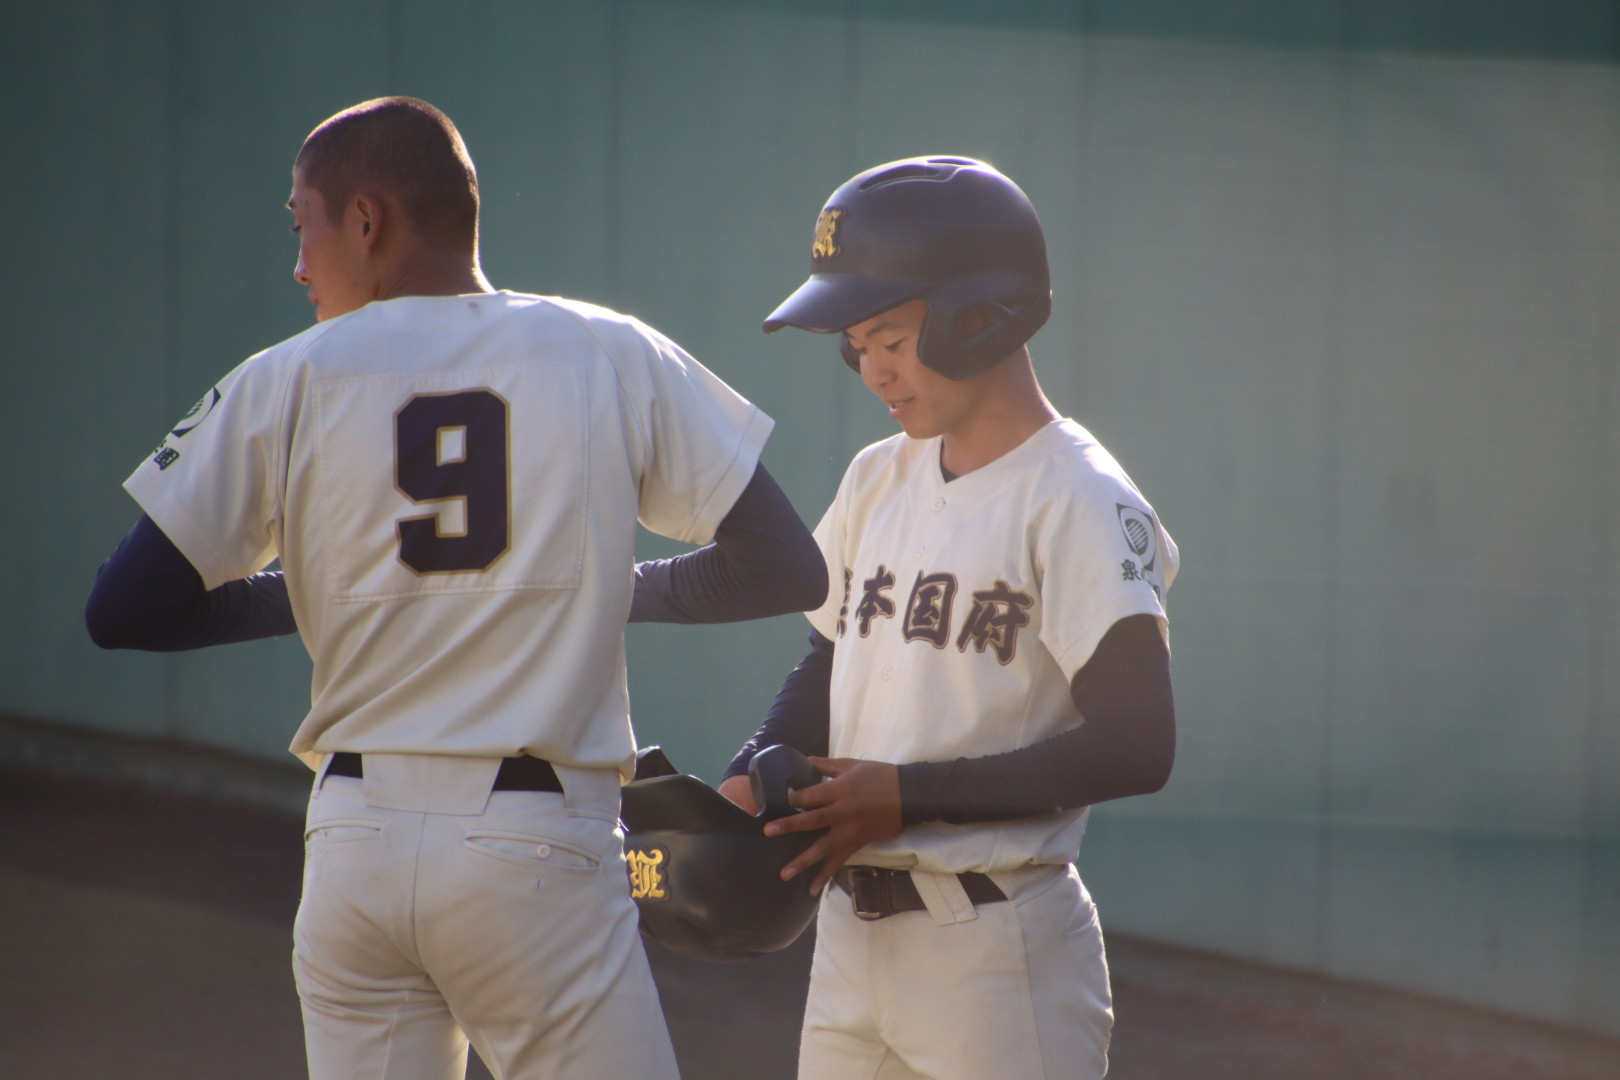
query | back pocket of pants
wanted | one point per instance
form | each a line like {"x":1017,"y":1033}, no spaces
{"x":341,"y":832}
{"x":531,"y":851}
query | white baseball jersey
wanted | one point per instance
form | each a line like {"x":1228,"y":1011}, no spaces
{"x":968,"y":607}
{"x":452,"y":485}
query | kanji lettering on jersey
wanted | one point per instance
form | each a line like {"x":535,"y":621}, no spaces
{"x":928,"y":612}
{"x":843,"y":609}
{"x":873,"y":603}
{"x":994,"y":620}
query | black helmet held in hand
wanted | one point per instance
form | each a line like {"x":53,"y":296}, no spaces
{"x":702,"y":872}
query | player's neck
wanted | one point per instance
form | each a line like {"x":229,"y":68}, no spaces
{"x":1011,"y":408}
{"x":431,"y":272}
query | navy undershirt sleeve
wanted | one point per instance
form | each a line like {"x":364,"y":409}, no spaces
{"x":798,"y":716}
{"x":763,"y":562}
{"x":147,"y":596}
{"x":1124,"y":746}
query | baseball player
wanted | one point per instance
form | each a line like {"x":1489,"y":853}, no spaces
{"x":451,"y":477}
{"x":991,"y":660}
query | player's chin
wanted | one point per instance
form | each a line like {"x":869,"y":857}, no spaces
{"x":917,"y":427}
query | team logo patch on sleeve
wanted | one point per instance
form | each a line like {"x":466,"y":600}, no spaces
{"x":1142,"y":538}
{"x":1140,"y":535}
{"x":166,"y":455}
{"x":197,"y":414}
{"x":648,"y":875}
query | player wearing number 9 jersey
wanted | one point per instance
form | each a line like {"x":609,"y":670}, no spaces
{"x":451,"y":477}
{"x":457,"y":471}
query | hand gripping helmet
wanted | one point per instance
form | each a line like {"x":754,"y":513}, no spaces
{"x":703,"y":873}
{"x":951,"y":231}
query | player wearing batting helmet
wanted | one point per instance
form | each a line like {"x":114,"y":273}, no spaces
{"x":451,"y":477}
{"x":991,"y":660}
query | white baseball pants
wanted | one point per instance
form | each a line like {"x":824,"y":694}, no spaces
{"x":1014,"y":990}
{"x":511,"y":926}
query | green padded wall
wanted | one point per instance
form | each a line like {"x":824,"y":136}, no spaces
{"x":1337,"y":282}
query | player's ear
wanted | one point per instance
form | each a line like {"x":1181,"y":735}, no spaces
{"x":368,"y":215}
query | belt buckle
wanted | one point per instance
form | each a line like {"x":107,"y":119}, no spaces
{"x":865,"y":883}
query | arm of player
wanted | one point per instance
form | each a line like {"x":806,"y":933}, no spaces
{"x":763,"y":562}
{"x":797,"y":718}
{"x":1125,"y":746}
{"x":859,"y":802}
{"x":148,"y":596}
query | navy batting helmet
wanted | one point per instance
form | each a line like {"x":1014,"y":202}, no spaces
{"x":952,"y":231}
{"x":703,"y":873}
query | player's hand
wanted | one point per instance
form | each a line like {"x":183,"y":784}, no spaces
{"x":740,"y":791}
{"x":858,"y":804}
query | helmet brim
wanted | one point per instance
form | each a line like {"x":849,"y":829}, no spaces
{"x":828,"y":303}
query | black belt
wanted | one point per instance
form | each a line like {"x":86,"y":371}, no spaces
{"x":521,"y":773}
{"x":877,"y":893}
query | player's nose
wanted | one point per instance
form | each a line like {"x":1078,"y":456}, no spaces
{"x":876,"y":373}
{"x":300,"y":274}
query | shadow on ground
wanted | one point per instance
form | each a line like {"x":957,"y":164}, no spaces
{"x":147,"y":935}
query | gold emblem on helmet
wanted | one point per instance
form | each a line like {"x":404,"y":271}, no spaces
{"x":826,"y":245}
{"x":646,"y":867}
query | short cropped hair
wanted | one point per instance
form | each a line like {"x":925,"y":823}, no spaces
{"x":406,"y":147}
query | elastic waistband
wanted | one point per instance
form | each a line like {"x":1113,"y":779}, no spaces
{"x":521,"y":773}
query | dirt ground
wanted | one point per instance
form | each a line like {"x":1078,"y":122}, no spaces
{"x":148,"y":936}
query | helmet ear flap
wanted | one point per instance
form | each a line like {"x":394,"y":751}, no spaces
{"x":1012,"y":311}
